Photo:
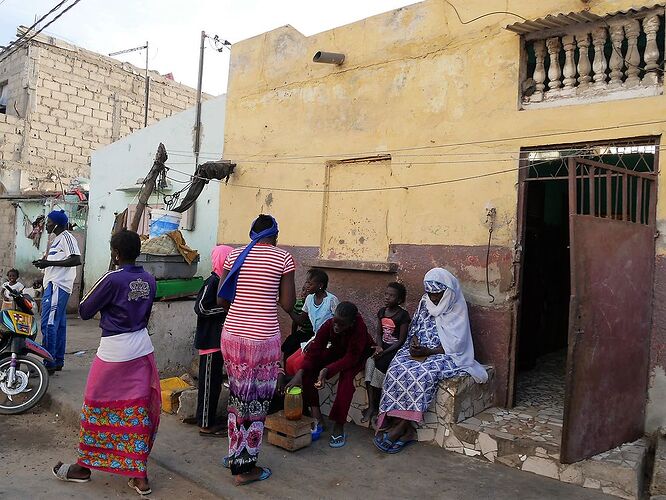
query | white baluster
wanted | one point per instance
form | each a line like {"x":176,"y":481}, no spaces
{"x":584,"y":65}
{"x":599,"y":64}
{"x":616,"y":62}
{"x":651,"y":54}
{"x":539,"y":75}
{"x":632,"y":28}
{"x":554,"y":73}
{"x":569,"y":65}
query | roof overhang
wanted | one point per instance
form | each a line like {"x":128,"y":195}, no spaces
{"x":565,"y":21}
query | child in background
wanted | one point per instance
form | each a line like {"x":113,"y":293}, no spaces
{"x":210,"y":318}
{"x":299,"y":333}
{"x":13,"y":283}
{"x":320,"y":304}
{"x":392,"y":326}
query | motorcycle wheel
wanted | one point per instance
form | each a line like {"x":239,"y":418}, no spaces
{"x":32,"y":384}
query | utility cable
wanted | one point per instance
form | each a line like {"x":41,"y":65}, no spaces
{"x":25,"y":42}
{"x":387,"y":188}
{"x":341,"y":156}
{"x":36,"y":23}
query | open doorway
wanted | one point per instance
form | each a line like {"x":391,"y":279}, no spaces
{"x":542,"y":341}
{"x":587,"y":211}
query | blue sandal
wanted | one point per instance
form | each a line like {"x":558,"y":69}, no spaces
{"x":399,"y":445}
{"x":225,"y":462}
{"x":265,"y":474}
{"x":316,"y":432}
{"x":383,"y":443}
{"x":337,"y":441}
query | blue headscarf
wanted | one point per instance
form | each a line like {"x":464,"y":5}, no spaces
{"x":59,"y":217}
{"x":228,"y":288}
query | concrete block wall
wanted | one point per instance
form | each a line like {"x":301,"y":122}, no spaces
{"x":11,"y":140}
{"x":74,"y":101}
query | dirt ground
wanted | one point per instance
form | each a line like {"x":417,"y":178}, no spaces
{"x":30,"y":444}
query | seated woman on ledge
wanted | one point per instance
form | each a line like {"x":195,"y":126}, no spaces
{"x":439,"y":346}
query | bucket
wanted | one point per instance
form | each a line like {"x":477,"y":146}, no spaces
{"x":163,"y":221}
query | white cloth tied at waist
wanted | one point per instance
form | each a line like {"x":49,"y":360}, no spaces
{"x":125,"y":346}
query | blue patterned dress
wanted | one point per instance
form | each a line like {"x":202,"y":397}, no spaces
{"x":410,"y":385}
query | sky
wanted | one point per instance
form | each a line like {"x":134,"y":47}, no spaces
{"x":173,"y":27}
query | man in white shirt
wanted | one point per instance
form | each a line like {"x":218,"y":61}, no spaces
{"x":59,"y":274}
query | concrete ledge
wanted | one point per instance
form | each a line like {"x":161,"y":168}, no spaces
{"x":457,"y":399}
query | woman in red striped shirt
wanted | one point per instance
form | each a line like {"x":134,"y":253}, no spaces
{"x":256,"y":278}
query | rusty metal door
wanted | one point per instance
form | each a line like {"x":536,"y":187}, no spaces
{"x":612,"y":229}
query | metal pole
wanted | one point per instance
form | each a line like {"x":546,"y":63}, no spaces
{"x":145,"y":111}
{"x":197,"y":123}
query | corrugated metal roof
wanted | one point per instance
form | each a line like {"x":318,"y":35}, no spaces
{"x":572,"y":18}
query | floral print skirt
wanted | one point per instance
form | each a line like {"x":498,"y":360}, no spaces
{"x":120,"y":416}
{"x":252,"y":367}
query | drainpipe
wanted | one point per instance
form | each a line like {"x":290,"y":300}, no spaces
{"x":329,"y":58}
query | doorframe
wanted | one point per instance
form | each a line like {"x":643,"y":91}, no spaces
{"x":519,"y":250}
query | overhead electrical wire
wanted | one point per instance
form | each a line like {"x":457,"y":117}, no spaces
{"x":36,"y":23}
{"x":27,"y":40}
{"x":531,"y":164}
{"x":342,"y":156}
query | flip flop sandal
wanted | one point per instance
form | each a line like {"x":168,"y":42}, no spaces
{"x":316,"y":432}
{"x":62,"y":472}
{"x":265,"y":474}
{"x":226,"y":463}
{"x":141,"y":492}
{"x":222,"y":433}
{"x":382,"y":443}
{"x":337,"y":441}
{"x":399,"y":445}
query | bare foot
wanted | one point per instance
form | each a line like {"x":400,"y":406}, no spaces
{"x":141,"y":483}
{"x":75,"y":471}
{"x":368,"y":414}
{"x":249,"y":477}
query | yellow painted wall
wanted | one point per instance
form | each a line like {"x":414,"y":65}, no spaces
{"x":414,"y":77}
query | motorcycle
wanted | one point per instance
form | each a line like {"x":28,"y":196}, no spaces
{"x":23,"y":377}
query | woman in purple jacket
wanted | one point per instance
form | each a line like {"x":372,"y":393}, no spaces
{"x":121,"y":407}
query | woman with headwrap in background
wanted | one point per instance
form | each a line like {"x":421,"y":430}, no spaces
{"x":438,"y":346}
{"x":210,"y":318}
{"x":255,"y":279}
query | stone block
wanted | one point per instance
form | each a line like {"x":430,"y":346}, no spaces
{"x":427,"y":435}
{"x":658,"y":484}
{"x":187,"y":407}
{"x":541,"y":466}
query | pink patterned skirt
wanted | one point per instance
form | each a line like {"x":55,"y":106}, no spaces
{"x":120,"y":416}
{"x":252,"y":367}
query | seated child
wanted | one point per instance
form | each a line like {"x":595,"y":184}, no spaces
{"x":392,"y":327}
{"x":341,"y":346}
{"x":13,"y":283}
{"x":319,"y":304}
{"x":299,"y":333}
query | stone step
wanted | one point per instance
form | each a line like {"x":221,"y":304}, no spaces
{"x":617,"y":472}
{"x":658,"y":484}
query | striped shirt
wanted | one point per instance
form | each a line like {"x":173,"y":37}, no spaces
{"x":254,"y":314}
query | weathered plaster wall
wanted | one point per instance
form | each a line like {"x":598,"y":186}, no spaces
{"x":120,"y":164}
{"x":414,"y":79}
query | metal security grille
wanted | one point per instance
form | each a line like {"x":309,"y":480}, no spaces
{"x":613,"y":192}
{"x":635,"y":155}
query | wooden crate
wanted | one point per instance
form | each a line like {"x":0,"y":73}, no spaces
{"x":290,"y":435}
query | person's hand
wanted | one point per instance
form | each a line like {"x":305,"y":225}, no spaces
{"x":418,"y":351}
{"x":296,"y":381}
{"x":319,"y":384}
{"x":280,"y":388}
{"x":378,"y":352}
{"x":40,"y":264}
